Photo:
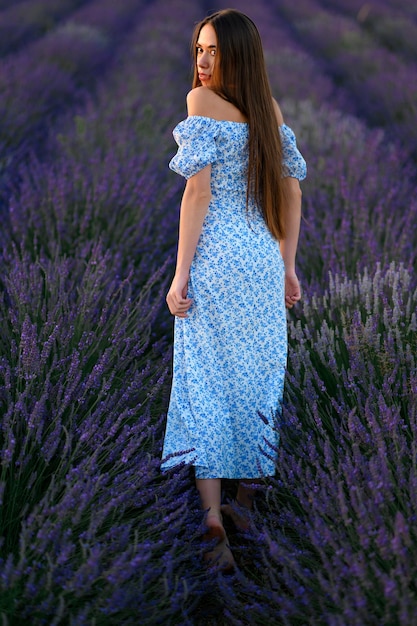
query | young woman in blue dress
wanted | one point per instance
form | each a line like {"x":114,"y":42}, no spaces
{"x":235,"y":271}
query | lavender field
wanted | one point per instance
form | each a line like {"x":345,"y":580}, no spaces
{"x":90,"y":532}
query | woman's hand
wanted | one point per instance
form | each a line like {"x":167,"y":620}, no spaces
{"x":292,"y":290}
{"x":177,"y":300}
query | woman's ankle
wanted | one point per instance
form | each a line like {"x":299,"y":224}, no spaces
{"x":214,"y":526}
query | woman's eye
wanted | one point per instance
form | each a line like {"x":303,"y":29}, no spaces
{"x":200,"y":51}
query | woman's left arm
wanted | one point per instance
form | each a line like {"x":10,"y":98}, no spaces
{"x":288,"y":245}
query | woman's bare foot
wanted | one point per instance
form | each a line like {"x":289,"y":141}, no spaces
{"x":220,"y":558}
{"x":215,"y":528}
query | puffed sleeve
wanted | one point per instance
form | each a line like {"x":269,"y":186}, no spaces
{"x":293,"y":163}
{"x":196,"y":139}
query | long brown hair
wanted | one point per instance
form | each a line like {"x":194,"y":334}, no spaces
{"x":240,"y":77}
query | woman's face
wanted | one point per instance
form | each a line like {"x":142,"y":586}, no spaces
{"x":206,"y":53}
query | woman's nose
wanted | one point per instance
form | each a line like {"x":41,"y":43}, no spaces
{"x":203,"y":61}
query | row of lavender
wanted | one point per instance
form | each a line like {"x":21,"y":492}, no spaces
{"x":340,"y":538}
{"x":395,"y":27}
{"x":85,"y":361}
{"x":25,"y":21}
{"x":46,"y":77}
{"x":89,"y":529}
{"x":381,"y":84}
{"x":359,"y":198}
{"x":340,"y":530}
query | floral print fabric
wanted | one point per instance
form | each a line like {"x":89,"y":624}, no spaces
{"x":230,"y":353}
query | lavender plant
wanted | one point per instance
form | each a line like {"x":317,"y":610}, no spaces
{"x":339,"y":531}
{"x":90,"y":530}
{"x":407,"y":7}
{"x":358,"y":204}
{"x":5,"y":4}
{"x":389,"y":25}
{"x":116,"y":201}
{"x":25,"y":21}
{"x":46,"y":77}
{"x":378,"y":80}
{"x":106,"y":185}
{"x":84,"y":512}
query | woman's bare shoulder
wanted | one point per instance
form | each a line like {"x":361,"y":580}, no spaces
{"x":200,"y":101}
{"x":278,"y":113}
{"x":205,"y":102}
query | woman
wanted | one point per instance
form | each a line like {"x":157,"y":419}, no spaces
{"x":235,"y":271}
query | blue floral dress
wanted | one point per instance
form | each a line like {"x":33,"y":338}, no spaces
{"x":230,"y":352}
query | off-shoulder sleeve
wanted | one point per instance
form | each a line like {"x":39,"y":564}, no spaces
{"x":293,"y":163}
{"x":196,"y":139}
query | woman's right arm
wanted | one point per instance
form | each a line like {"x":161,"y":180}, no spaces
{"x":194,"y":206}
